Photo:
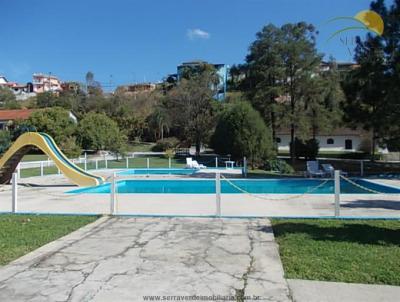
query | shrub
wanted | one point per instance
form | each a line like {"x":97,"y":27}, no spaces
{"x":308,"y":149}
{"x":278,"y":165}
{"x":165,"y":144}
{"x":169,"y":153}
{"x":70,"y":147}
{"x":242,"y":132}
{"x":97,"y":131}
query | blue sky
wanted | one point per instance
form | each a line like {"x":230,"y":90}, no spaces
{"x":124,"y":41}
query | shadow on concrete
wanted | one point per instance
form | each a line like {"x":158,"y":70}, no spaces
{"x":372,"y":204}
{"x":362,"y":232}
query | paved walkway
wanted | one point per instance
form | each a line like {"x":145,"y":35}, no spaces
{"x":319,"y":291}
{"x":125,"y":259}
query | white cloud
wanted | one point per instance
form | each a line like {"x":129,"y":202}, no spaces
{"x":197,"y":33}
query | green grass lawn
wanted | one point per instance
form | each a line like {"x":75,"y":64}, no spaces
{"x":34,"y":157}
{"x":20,"y":234}
{"x":365,"y":251}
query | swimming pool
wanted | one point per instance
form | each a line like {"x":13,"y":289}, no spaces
{"x":257,"y":186}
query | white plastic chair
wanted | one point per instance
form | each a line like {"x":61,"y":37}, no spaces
{"x":313,"y":169}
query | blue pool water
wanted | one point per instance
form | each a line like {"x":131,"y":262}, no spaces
{"x":275,"y":186}
{"x":157,"y":172}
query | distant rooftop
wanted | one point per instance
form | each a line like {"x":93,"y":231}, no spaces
{"x":20,"y":114}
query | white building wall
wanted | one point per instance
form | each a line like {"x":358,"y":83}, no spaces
{"x":339,"y":142}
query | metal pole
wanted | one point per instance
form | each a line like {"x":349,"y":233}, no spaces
{"x":245,"y":166}
{"x":105,"y":159}
{"x":362,"y":168}
{"x":85,"y":163}
{"x":41,"y":168}
{"x":112,"y":200}
{"x":14,"y":192}
{"x":337,"y":193}
{"x":216,"y":162}
{"x":148,"y":163}
{"x":218,"y":193}
{"x":169,"y":162}
{"x":97,"y":164}
{"x":19,"y":170}
{"x":127,"y":162}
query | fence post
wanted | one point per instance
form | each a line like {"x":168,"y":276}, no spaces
{"x":244,"y":166}
{"x":41,"y":168}
{"x":14,"y":205}
{"x":169,"y":162}
{"x":58,"y":171}
{"x":216,"y":162}
{"x":19,"y":170}
{"x":148,"y":163}
{"x":106,"y":163}
{"x":218,"y":193}
{"x":97,"y":164}
{"x":112,"y":199}
{"x":85,"y":163}
{"x":337,"y":193}
{"x":127,"y":162}
{"x":362,"y":168}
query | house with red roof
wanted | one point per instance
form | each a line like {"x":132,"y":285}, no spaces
{"x":8,"y":116}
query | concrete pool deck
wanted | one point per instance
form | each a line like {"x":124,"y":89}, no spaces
{"x":126,"y":259}
{"x":47,"y":195}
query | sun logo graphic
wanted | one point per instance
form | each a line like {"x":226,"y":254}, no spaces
{"x":365,"y":20}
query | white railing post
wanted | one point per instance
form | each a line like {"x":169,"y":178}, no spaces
{"x":58,"y":171}
{"x":105,"y":161}
{"x":148,"y":163}
{"x":14,"y":205}
{"x":218,"y":193}
{"x":127,"y":162}
{"x":97,"y":164}
{"x":362,"y":168}
{"x":169,"y":162}
{"x":85,"y":163}
{"x":113,"y":190}
{"x":216,"y":162}
{"x":337,"y":193}
{"x":41,"y":169}
{"x":19,"y":170}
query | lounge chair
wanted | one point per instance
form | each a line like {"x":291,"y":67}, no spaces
{"x":313,"y":169}
{"x":330,"y":170}
{"x":193,"y":164}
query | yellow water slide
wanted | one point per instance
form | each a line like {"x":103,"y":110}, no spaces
{"x":44,"y":142}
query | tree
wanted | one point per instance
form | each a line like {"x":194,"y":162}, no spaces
{"x":97,"y":131}
{"x":5,"y":141}
{"x":280,"y":64}
{"x":322,"y":97}
{"x":240,"y":132}
{"x":54,"y":121}
{"x":191,"y":106}
{"x":372,"y":89}
{"x":7,"y":99}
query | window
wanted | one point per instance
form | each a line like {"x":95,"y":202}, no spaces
{"x":348,"y":144}
{"x":278,"y":140}
{"x":330,"y":141}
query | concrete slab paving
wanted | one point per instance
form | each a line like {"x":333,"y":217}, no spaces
{"x":125,"y":259}
{"x":320,"y":291}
